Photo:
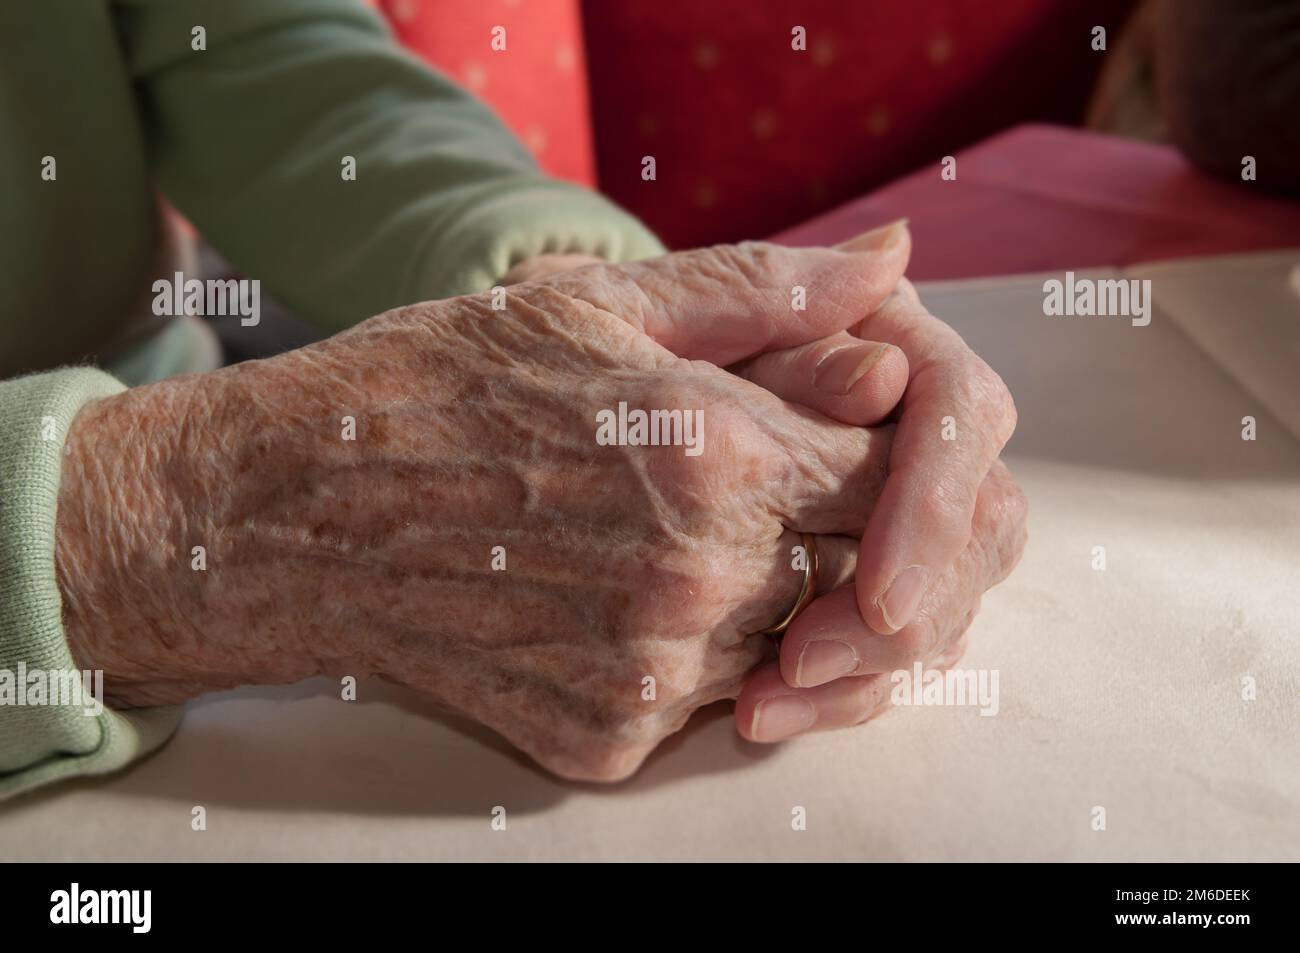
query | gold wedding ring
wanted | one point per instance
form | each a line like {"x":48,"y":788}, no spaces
{"x":806,"y":591}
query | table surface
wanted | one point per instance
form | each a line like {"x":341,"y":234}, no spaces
{"x":1119,"y":689}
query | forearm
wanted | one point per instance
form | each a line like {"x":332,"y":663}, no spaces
{"x":252,"y":136}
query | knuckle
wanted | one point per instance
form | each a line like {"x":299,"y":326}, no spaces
{"x":692,"y":483}
{"x":558,"y":297}
{"x":913,"y":642}
{"x":607,"y":291}
{"x":682,"y":593}
{"x":726,"y":448}
{"x":1014,"y":547}
{"x":1015,"y":505}
{"x":944,"y":508}
{"x":1002,"y":528}
{"x":759,"y":265}
{"x":997,"y":408}
{"x":1011,"y":514}
{"x":599,"y":761}
{"x":1002,"y":501}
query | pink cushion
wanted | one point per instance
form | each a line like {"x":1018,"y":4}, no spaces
{"x":1040,"y":198}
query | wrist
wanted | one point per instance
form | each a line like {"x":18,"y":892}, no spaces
{"x":136,"y":548}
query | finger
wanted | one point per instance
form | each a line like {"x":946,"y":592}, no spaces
{"x":830,"y":640}
{"x":779,"y":579}
{"x":769,"y":710}
{"x":849,"y":380}
{"x":730,"y":302}
{"x":954,"y":420}
{"x":833,"y":473}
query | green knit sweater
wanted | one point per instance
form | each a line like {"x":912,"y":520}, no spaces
{"x":247,"y":137}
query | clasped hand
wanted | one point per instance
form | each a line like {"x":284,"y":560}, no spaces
{"x":475,"y":424}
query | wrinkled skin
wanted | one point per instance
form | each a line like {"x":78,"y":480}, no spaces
{"x":475,"y":428}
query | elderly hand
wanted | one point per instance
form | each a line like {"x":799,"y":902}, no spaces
{"x":940,"y":494}
{"x":425,"y":497}
{"x":925,"y":519}
{"x":941,"y":497}
{"x":428,"y":497}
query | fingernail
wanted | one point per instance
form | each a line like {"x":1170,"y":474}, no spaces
{"x":824,"y":661}
{"x":781,"y":717}
{"x":903,"y":597}
{"x":878,"y":239}
{"x":840,"y":370}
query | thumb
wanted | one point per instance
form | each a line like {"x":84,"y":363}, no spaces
{"x":730,"y":302}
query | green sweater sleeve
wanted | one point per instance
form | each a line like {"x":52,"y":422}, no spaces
{"x":41,"y":741}
{"x":257,"y":127}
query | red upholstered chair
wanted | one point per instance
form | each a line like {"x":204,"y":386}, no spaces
{"x":750,"y":135}
{"x":537,"y":84}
